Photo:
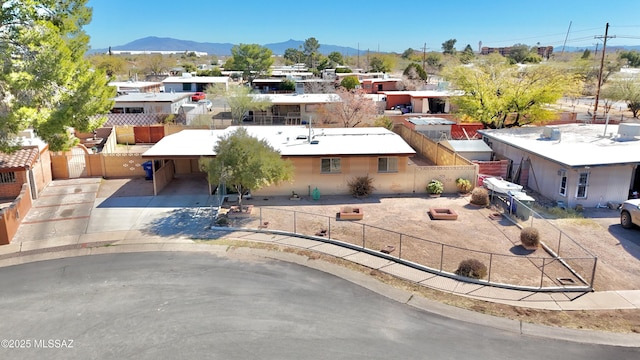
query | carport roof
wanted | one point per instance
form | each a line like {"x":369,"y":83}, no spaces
{"x":289,"y":141}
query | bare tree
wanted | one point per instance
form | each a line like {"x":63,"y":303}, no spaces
{"x":352,"y":108}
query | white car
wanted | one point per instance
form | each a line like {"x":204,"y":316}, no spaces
{"x":207,"y":103}
{"x":630,"y":213}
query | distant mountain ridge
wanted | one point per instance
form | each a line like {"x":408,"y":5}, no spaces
{"x":152,"y":43}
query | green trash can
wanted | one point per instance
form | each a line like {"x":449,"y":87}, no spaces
{"x":315,"y":194}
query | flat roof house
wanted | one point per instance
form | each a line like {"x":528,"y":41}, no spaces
{"x":326,"y":158}
{"x":188,"y":83}
{"x":591,"y":165}
{"x":291,"y":109}
{"x":150,"y":103}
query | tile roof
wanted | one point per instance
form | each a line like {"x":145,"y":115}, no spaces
{"x":21,"y":159}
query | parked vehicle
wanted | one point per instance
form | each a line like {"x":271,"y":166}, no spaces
{"x":198,"y":96}
{"x":207,"y":103}
{"x":404,"y":108}
{"x":630,"y":213}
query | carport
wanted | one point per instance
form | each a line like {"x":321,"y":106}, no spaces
{"x":177,"y":155}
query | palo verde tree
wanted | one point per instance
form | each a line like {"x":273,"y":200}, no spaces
{"x":501,"y":95}
{"x":245,"y":163}
{"x":627,"y":90}
{"x":46,"y":83}
{"x":252,"y":59}
{"x":240,"y":100}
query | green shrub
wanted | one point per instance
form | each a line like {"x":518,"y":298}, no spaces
{"x":530,"y":238}
{"x":464,"y":185}
{"x":435,"y":187}
{"x":472,"y":268}
{"x":361,"y":186}
{"x":480,"y":196}
{"x":222,"y":221}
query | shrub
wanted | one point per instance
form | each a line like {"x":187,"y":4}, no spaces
{"x":222,"y":221}
{"x":435,"y":187}
{"x":361,"y":186}
{"x":472,"y":268}
{"x":464,"y":185}
{"x":480,"y":196}
{"x":530,"y":238}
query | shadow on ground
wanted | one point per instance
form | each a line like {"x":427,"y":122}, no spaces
{"x":189,"y":222}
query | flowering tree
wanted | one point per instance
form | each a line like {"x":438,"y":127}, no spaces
{"x":352,"y":108}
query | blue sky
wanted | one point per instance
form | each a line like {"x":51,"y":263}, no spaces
{"x":368,"y":24}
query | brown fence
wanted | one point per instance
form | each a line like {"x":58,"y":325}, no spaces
{"x":433,"y":151}
{"x":11,"y":216}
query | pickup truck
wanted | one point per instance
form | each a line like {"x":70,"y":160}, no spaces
{"x":630,"y":213}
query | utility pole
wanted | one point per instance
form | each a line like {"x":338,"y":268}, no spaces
{"x":604,"y":50}
{"x":424,"y":56}
{"x":566,"y":37}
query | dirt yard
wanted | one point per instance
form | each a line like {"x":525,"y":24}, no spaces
{"x":618,"y":252}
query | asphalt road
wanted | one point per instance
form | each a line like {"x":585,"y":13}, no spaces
{"x":198,"y":305}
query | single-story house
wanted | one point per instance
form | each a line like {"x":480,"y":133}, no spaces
{"x":326,"y":158}
{"x":23,"y":175}
{"x":291,"y":109}
{"x":378,"y":85}
{"x":189,"y":83}
{"x":150,"y":103}
{"x":422,"y":101}
{"x":589,"y":165}
{"x":125,"y":87}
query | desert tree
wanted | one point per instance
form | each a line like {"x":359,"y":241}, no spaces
{"x":245,"y":163}
{"x":240,"y":99}
{"x":46,"y":83}
{"x":350,"y":108}
{"x":449,"y":47}
{"x":627,"y":90}
{"x":252,"y":59}
{"x":500,"y":95}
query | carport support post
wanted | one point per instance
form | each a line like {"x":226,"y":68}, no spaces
{"x":329,"y":227}
{"x":153,"y":177}
{"x":260,"y":223}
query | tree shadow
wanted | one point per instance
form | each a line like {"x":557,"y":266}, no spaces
{"x":190,"y":222}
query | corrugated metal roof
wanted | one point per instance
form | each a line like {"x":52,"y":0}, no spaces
{"x":287,"y":140}
{"x":430,"y":121}
{"x":469,"y":146}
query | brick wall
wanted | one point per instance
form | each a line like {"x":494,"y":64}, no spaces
{"x":12,"y":190}
{"x":493,"y":168}
{"x":11,"y":216}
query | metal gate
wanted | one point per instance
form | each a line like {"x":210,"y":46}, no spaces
{"x":77,"y":163}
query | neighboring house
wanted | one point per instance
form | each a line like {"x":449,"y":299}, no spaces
{"x":126,"y":87}
{"x":378,"y":85}
{"x":189,"y":83}
{"x":422,"y":101}
{"x":23,"y":175}
{"x":150,"y":103}
{"x":588,"y":165}
{"x":326,"y":158}
{"x":290,"y":109}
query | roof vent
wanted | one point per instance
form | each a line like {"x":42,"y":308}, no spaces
{"x":301,"y":137}
{"x":550,"y":133}
{"x":315,"y":142}
{"x":628,"y":132}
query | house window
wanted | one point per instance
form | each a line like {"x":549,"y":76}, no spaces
{"x":186,"y":86}
{"x":583,"y":182}
{"x":330,"y":166}
{"x":7,"y":177}
{"x":387,"y":164}
{"x":563,"y":182}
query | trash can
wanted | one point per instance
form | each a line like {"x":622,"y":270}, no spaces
{"x":148,"y":169}
{"x":315,"y":194}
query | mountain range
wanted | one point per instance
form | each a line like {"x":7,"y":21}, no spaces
{"x":152,"y":43}
{"x":221,"y":49}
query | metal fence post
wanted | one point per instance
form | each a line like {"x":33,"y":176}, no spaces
{"x":490,"y":261}
{"x":559,"y":242}
{"x":363,"y":241}
{"x":400,"y":248}
{"x":593,"y":272}
{"x":441,"y":255}
{"x":542,"y":273}
{"x":260,"y":218}
{"x":329,"y":228}
{"x":294,"y":223}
